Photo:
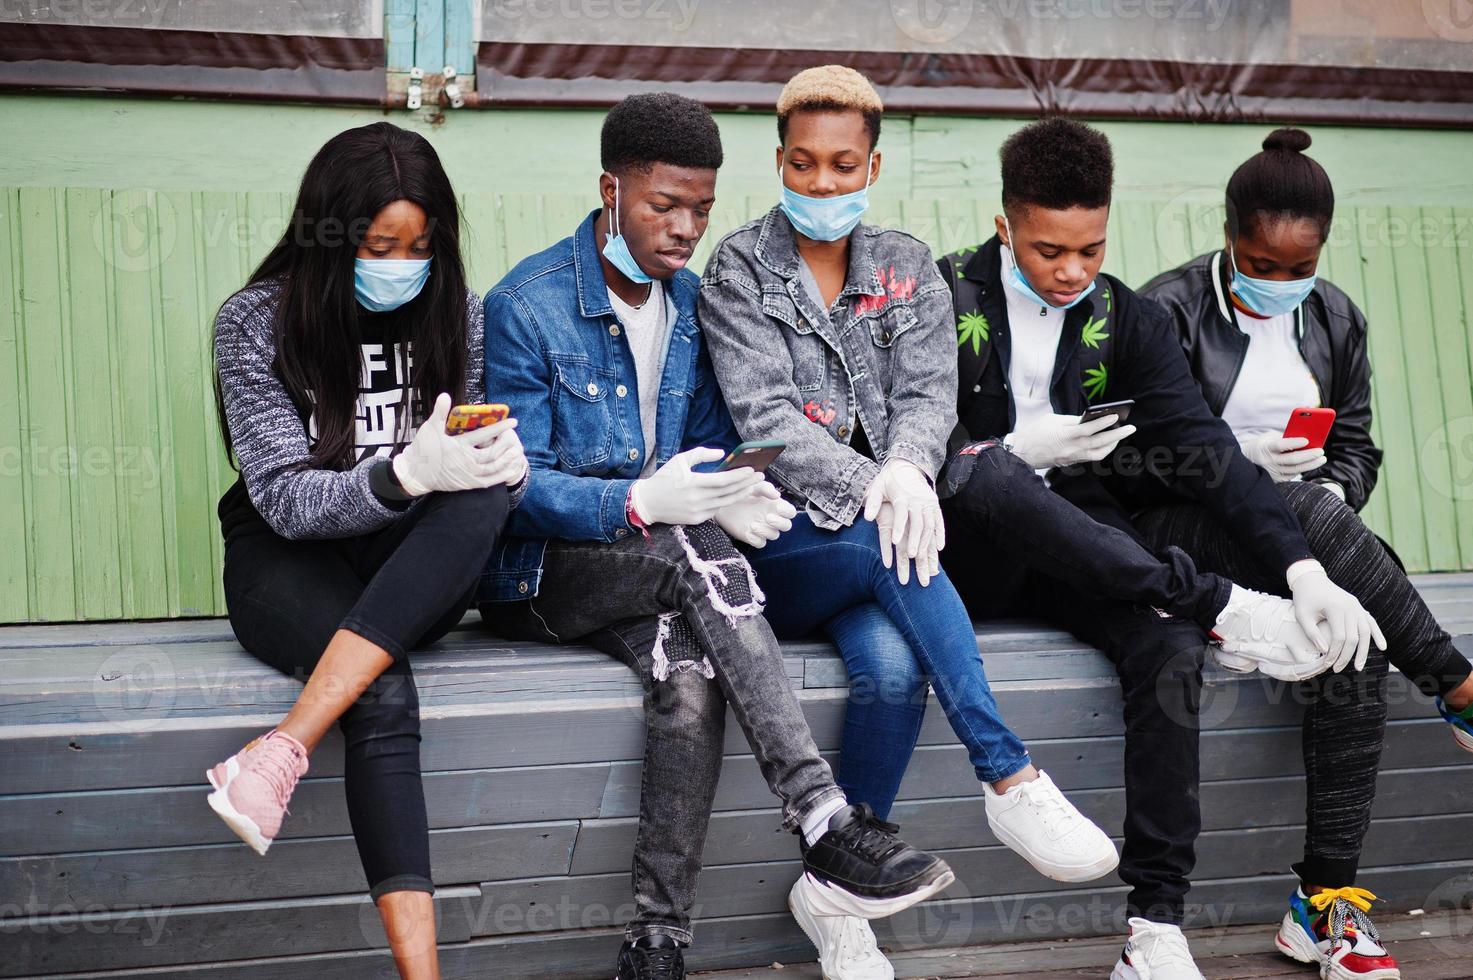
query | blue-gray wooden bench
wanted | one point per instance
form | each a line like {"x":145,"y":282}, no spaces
{"x":111,"y":864}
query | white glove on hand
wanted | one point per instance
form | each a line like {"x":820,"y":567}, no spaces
{"x":907,"y":515}
{"x":1062,"y":440}
{"x":759,"y":517}
{"x":675,"y":494}
{"x":436,"y":462}
{"x":1348,"y":629}
{"x":1284,"y":459}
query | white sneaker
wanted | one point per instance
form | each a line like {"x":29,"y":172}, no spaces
{"x":1258,"y":631}
{"x":846,"y":945}
{"x":1155,"y":951}
{"x":1036,"y":820}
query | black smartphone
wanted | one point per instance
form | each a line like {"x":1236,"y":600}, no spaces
{"x":757,"y":455}
{"x":1121,"y":409}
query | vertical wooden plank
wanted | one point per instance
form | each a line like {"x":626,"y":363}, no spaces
{"x":95,"y":430}
{"x":1446,"y":451}
{"x":184,"y":461}
{"x":429,"y":35}
{"x":135,"y":254}
{"x":485,"y":262}
{"x":521,"y":226}
{"x":399,"y":34}
{"x":460,"y":36}
{"x":1411,"y":235}
{"x":45,"y":438}
{"x":1388,"y":355}
{"x":15,"y":573}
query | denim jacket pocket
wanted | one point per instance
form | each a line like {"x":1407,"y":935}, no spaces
{"x":887,"y":325}
{"x":807,"y":349}
{"x":582,"y":426}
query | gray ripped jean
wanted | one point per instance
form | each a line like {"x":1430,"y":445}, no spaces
{"x":644,"y":601}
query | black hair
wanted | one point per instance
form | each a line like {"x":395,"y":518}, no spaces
{"x":871,"y":118}
{"x":659,"y":127}
{"x":1279,"y":183}
{"x":1057,"y":164}
{"x":352,"y":178}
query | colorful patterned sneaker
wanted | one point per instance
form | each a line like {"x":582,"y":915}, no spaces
{"x":1462,"y":722}
{"x":253,"y":786}
{"x":1332,"y":930}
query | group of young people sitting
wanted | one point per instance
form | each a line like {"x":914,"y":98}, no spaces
{"x":1008,"y":431}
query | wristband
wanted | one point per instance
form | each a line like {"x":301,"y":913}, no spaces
{"x":631,"y":513}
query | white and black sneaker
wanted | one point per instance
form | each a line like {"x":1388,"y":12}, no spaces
{"x":1155,"y":951}
{"x":655,"y":957}
{"x":859,"y":867}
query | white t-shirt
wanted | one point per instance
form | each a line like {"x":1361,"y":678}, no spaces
{"x":647,"y":328}
{"x":1034,"y":331}
{"x":1274,"y":379}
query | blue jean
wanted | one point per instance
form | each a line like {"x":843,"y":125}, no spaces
{"x":832,"y":580}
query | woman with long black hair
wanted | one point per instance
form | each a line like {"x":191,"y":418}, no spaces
{"x":359,"y":526}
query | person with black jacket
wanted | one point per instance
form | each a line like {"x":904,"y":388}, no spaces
{"x":1264,"y":335}
{"x":1042,"y":336}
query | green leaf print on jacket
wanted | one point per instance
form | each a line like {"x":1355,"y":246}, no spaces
{"x":972,"y":327}
{"x":1095,"y":380}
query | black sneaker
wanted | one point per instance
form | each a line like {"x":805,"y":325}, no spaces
{"x":859,"y":867}
{"x":654,"y":957}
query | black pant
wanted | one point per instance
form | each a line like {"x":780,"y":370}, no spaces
{"x":1014,"y":547}
{"x":1345,"y":715}
{"x":400,"y":588}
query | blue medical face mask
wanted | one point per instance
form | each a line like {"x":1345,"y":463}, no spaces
{"x":1269,"y":297}
{"x":825,"y":219}
{"x":387,"y":284}
{"x":1021,"y":284}
{"x":616,"y":249}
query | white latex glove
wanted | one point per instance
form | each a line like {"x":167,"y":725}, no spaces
{"x":759,"y":517}
{"x":1348,"y":629}
{"x":1284,"y":459}
{"x":434,"y":461}
{"x":1061,"y":440}
{"x":907,"y":515}
{"x":675,"y":494}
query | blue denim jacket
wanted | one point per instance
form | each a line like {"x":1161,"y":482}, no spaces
{"x":556,"y":353}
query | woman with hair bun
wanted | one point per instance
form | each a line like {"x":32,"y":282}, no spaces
{"x":1264,"y":335}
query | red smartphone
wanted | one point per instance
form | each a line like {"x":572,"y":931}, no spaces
{"x":466,"y":418}
{"x":1312,"y":424}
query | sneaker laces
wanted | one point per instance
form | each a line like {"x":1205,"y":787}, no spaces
{"x":1164,"y":946}
{"x":1053,"y":810}
{"x":869,"y":836}
{"x":656,"y":962}
{"x":1347,"y":904}
{"x":277,"y":762}
{"x":855,"y":941}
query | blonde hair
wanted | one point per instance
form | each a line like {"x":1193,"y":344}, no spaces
{"x":836,"y":88}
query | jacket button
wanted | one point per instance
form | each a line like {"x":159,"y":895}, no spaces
{"x":619,"y":532}
{"x":843,"y":431}
{"x":592,"y":388}
{"x":613,"y":330}
{"x":634,"y":454}
{"x":621,"y":391}
{"x":976,"y":388}
{"x":885,"y":337}
{"x":522,"y":587}
{"x":802,"y":322}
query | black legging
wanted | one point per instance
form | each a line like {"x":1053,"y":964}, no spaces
{"x":401,"y":587}
{"x":1346,"y":715}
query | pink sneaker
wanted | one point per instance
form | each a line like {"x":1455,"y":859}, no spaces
{"x":253,"y":786}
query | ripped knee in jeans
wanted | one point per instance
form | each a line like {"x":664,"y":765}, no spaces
{"x":731,"y":588}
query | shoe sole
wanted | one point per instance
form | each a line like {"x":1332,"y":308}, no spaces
{"x":1293,"y":943}
{"x":805,"y":920}
{"x":1090,"y":872}
{"x":245,"y":828}
{"x":847,"y":903}
{"x":1124,"y":972}
{"x":1464,"y":740}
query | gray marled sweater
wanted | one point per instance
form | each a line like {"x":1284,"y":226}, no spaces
{"x":272,"y":444}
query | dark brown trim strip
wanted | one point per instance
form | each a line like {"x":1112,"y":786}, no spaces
{"x":215,"y":64}
{"x":599,"y":75}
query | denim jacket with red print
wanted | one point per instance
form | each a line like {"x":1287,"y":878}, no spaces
{"x":883,"y":357}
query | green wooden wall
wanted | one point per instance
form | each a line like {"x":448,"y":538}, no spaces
{"x":125,"y":223}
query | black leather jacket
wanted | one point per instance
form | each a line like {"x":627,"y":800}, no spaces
{"x":1332,"y":338}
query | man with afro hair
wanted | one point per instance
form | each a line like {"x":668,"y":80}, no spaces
{"x":623,"y":542}
{"x":1044,"y":477}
